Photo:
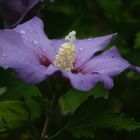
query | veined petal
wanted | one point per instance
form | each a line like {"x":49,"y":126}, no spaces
{"x":86,"y":48}
{"x":85,"y":82}
{"x":108,"y":63}
{"x":13,"y":51}
{"x":34,"y":74}
{"x":56,"y":43}
{"x":34,"y":37}
{"x":16,"y":55}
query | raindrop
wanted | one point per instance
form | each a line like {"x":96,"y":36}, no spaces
{"x":44,"y":50}
{"x":89,"y":39}
{"x":35,"y":42}
{"x":82,"y":59}
{"x":4,"y":55}
{"x":22,"y":31}
{"x":102,"y":70}
{"x":80,"y":49}
{"x":79,"y":57}
{"x":79,"y":73}
{"x":2,"y":58}
{"x":20,"y":52}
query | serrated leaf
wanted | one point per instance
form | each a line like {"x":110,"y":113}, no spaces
{"x":71,"y":100}
{"x":93,"y":114}
{"x":13,"y":114}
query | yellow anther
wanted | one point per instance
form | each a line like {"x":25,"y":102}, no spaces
{"x":65,"y":57}
{"x":71,"y":37}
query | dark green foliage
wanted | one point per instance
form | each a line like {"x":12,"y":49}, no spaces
{"x":94,"y":114}
{"x":71,"y":100}
{"x":13,"y":114}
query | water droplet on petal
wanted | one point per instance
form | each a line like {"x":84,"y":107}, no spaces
{"x":82,"y":59}
{"x":20,"y":52}
{"x":78,"y":57}
{"x":2,"y":58}
{"x":44,"y":50}
{"x":79,"y":73}
{"x":35,"y":42}
{"x":4,"y":55}
{"x":89,"y":39}
{"x":80,"y":49}
{"x":22,"y":31}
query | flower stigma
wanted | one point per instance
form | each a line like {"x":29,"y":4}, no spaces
{"x":66,"y":55}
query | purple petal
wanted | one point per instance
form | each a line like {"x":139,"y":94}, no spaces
{"x":34,"y":74}
{"x":13,"y":11}
{"x":34,"y":37}
{"x":16,"y":55}
{"x":135,"y":68}
{"x":88,"y":81}
{"x":56,"y":43}
{"x":86,"y":48}
{"x":13,"y":51}
{"x":108,"y":63}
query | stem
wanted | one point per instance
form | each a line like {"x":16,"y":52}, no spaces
{"x":49,"y":114}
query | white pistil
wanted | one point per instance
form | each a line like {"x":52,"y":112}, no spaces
{"x":66,"y":55}
{"x":71,"y":37}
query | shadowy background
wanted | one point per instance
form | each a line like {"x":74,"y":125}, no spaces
{"x":89,"y":18}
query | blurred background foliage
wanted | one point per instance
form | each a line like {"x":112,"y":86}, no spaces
{"x":89,"y":18}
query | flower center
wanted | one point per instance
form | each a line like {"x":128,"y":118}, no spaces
{"x":66,"y":55}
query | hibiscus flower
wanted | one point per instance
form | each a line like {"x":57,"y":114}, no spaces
{"x":34,"y":57}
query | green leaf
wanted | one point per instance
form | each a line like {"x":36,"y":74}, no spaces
{"x":93,"y":114}
{"x":112,"y":8}
{"x":73,"y":98}
{"x":13,"y":114}
{"x":34,"y":107}
{"x":10,"y":83}
{"x":17,"y":93}
{"x":14,"y":89}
